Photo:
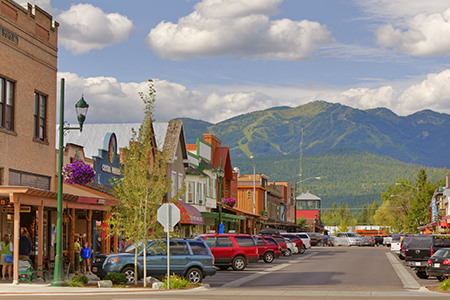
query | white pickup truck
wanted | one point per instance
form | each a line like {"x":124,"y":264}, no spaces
{"x":395,"y":244}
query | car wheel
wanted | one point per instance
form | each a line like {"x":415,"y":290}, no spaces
{"x":441,"y":278}
{"x":224,"y":268}
{"x":238,"y":263}
{"x":268,"y":257}
{"x":194,"y":275}
{"x":129,"y":273}
{"x":287,"y":252}
{"x":301,"y":250}
{"x":319,"y":244}
{"x":422,"y":274}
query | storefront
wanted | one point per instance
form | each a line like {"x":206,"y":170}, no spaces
{"x":191,"y":220}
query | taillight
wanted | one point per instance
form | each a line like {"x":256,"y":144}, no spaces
{"x":429,"y":262}
{"x":310,"y":242}
{"x":212,"y":259}
{"x":432,"y":251}
{"x":446,"y":262}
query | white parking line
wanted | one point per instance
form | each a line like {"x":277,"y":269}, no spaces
{"x":408,"y":281}
{"x":241,"y":281}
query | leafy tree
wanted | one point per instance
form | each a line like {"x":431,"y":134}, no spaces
{"x":301,"y":222}
{"x":363,"y":218}
{"x":141,"y":190}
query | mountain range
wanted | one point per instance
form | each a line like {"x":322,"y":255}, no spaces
{"x":357,"y":153}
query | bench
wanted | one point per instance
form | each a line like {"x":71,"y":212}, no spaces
{"x":28,"y":272}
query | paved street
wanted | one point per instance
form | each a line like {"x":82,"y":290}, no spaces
{"x":328,"y":272}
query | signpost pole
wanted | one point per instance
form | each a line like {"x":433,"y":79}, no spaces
{"x":168,"y":246}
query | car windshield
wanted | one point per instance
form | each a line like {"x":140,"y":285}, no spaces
{"x":352,"y":234}
{"x":131,"y":248}
{"x":442,"y":253}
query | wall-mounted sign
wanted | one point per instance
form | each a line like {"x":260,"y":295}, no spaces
{"x":10,"y":210}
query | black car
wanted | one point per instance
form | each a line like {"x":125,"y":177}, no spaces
{"x":420,"y":248}
{"x":439,"y":264}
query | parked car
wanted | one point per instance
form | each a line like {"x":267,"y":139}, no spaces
{"x":419,"y":250}
{"x":189,"y":258}
{"x":404,"y":246}
{"x":268,"y":248}
{"x":316,"y":238}
{"x":304,"y":237}
{"x":378,"y":240}
{"x":291,"y":247}
{"x":297,"y":241}
{"x":231,"y":250}
{"x":439,"y":264}
{"x":395,"y":244}
{"x":387,"y":240}
{"x":367,"y":241}
{"x":347,"y":239}
{"x":282,"y":242}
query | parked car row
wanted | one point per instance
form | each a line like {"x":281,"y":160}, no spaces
{"x":197,"y":258}
{"x":428,"y":254}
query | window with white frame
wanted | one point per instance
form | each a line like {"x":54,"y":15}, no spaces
{"x":173,"y":177}
{"x":197,"y":193}
{"x":190,"y":192}
{"x":40,"y":116}
{"x":6,"y":104}
{"x":180,"y":182}
{"x":214,"y":188}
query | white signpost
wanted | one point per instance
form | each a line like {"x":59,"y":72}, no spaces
{"x":168,"y":215}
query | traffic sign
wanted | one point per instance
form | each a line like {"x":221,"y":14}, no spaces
{"x":168,"y":215}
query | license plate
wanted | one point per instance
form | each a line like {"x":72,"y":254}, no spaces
{"x":94,"y":269}
{"x":436,"y":265}
{"x":417,"y":263}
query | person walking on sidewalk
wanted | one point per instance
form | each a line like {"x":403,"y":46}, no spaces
{"x":86,"y":255}
{"x":76,"y":250}
{"x":6,"y":248}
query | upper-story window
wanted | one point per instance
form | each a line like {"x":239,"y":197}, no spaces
{"x":6,"y":104}
{"x":40,"y":116}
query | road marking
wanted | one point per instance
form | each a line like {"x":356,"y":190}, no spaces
{"x":241,"y":281}
{"x":408,"y":281}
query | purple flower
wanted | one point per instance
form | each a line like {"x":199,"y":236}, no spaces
{"x":78,"y":172}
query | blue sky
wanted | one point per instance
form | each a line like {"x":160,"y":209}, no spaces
{"x":215,"y":59}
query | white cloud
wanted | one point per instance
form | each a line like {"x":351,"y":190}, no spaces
{"x":117,"y":102}
{"x":85,"y":27}
{"x":432,"y":93}
{"x":44,"y":4}
{"x":425,"y":36}
{"x":113,"y":102}
{"x":239,"y":28}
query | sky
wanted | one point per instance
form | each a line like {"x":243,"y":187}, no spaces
{"x":215,"y":59}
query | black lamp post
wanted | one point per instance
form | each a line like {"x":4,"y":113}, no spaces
{"x":81,"y":108}
{"x":220,"y":174}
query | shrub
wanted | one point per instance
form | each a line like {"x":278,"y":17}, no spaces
{"x":78,"y":281}
{"x":116,"y":278}
{"x":177,"y":282}
{"x":445,"y":285}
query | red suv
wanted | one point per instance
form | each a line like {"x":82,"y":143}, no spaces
{"x":268,"y":248}
{"x":235,"y":250}
{"x":297,"y":241}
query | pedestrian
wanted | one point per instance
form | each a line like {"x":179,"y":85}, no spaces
{"x":86,"y":255}
{"x":6,"y":248}
{"x":76,"y":250}
{"x":24,"y":245}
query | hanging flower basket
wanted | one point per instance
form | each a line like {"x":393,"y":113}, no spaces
{"x":78,"y":172}
{"x":229,"y":201}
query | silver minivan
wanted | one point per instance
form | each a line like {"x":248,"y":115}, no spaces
{"x":347,"y":239}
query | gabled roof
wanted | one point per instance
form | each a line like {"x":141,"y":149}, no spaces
{"x":206,"y":165}
{"x":307,"y":196}
{"x":194,"y":171}
{"x":224,"y":154}
{"x":174,"y":138}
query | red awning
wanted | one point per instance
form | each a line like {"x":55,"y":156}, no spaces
{"x":189,"y":214}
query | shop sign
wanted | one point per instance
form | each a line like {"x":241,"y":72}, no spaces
{"x":109,"y":169}
{"x":10,"y":210}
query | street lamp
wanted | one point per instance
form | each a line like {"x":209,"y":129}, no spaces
{"x":395,"y":195}
{"x":81,"y":108}
{"x":220,"y":174}
{"x":413,"y":187}
{"x":254,"y":185}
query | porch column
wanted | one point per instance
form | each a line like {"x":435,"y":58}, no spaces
{"x":40,"y":233}
{"x":16,"y":237}
{"x":89,"y":228}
